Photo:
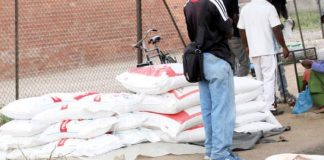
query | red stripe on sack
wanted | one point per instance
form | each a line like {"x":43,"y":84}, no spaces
{"x":176,"y":94}
{"x":181,"y":117}
{"x":196,"y":127}
{"x":64,"y":107}
{"x":97,"y":98}
{"x":62,"y":142}
{"x":56,"y":99}
{"x":78,"y":97}
{"x":63,"y":125}
{"x":155,"y":71}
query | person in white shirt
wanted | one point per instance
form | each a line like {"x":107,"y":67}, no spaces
{"x":260,"y":32}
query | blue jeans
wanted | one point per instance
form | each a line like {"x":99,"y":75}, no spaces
{"x":218,"y":107}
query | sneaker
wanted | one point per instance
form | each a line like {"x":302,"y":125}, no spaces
{"x":277,"y":112}
{"x":207,"y":158}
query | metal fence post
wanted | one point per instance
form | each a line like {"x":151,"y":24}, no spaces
{"x":17,"y":48}
{"x":174,"y":22}
{"x":320,"y":12}
{"x":139,"y":29}
{"x":299,"y":26}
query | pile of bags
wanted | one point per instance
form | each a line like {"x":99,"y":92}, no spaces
{"x":163,"y":107}
{"x":167,"y":92}
{"x":80,"y":124}
{"x":252,"y":114}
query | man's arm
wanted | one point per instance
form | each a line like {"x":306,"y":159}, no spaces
{"x":241,"y":27}
{"x":236,"y":10}
{"x":244,"y":41}
{"x":318,"y":66}
{"x":222,"y":21}
{"x":188,"y":19}
{"x":280,"y":39}
{"x":275,"y":24}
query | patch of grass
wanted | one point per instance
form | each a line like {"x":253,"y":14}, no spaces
{"x":3,"y":119}
{"x":308,"y":19}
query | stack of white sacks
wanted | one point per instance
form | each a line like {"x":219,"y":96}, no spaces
{"x":164,"y":107}
{"x":79,"y":124}
{"x":169,"y":99}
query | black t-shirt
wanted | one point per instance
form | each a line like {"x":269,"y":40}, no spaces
{"x":232,"y":8}
{"x":279,"y":4}
{"x":209,"y":20}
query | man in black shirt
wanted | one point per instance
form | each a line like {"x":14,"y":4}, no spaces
{"x":242,"y":61}
{"x":208,"y":23}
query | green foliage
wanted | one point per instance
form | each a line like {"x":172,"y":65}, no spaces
{"x":309,"y":20}
{"x":3,"y":119}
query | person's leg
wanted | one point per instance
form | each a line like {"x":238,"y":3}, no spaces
{"x":282,"y":87}
{"x":205,"y":103}
{"x":257,"y":67}
{"x":219,"y":76}
{"x":242,"y":60}
{"x":268,"y":67}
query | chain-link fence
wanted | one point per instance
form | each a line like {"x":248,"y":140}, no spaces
{"x":69,"y":46}
{"x":81,"y":45}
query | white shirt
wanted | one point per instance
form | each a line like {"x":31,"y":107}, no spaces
{"x":258,"y":18}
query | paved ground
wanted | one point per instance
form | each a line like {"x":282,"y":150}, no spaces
{"x":305,"y":137}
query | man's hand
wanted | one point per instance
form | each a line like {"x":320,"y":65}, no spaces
{"x":285,"y":52}
{"x":307,"y":63}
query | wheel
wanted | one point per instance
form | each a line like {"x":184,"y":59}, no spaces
{"x":169,"y":59}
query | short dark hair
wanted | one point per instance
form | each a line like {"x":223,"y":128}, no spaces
{"x":322,"y":18}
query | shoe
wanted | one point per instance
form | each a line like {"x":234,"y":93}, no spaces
{"x":277,"y":112}
{"x":207,"y":158}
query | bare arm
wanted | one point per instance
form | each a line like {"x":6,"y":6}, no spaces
{"x":281,"y":40}
{"x":244,"y":41}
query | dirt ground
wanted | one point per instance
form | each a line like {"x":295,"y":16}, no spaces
{"x":305,"y":137}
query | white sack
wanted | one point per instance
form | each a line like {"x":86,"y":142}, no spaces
{"x":272,"y":119}
{"x":250,"y":107}
{"x":74,"y":111}
{"x":248,"y":96}
{"x":289,"y":156}
{"x":27,"y":108}
{"x":174,"y":123}
{"x":172,"y":102}
{"x":249,"y":118}
{"x":246,"y":84}
{"x":70,"y":148}
{"x":112,"y":102}
{"x":154,"y":79}
{"x":99,"y":145}
{"x":92,"y":107}
{"x":129,"y":121}
{"x":9,"y":142}
{"x":82,"y":129}
{"x":62,"y":148}
{"x":255,"y":127}
{"x":195,"y":134}
{"x":23,"y":128}
{"x":136,"y":136}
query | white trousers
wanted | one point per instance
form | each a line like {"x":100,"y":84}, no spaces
{"x":265,"y":70}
